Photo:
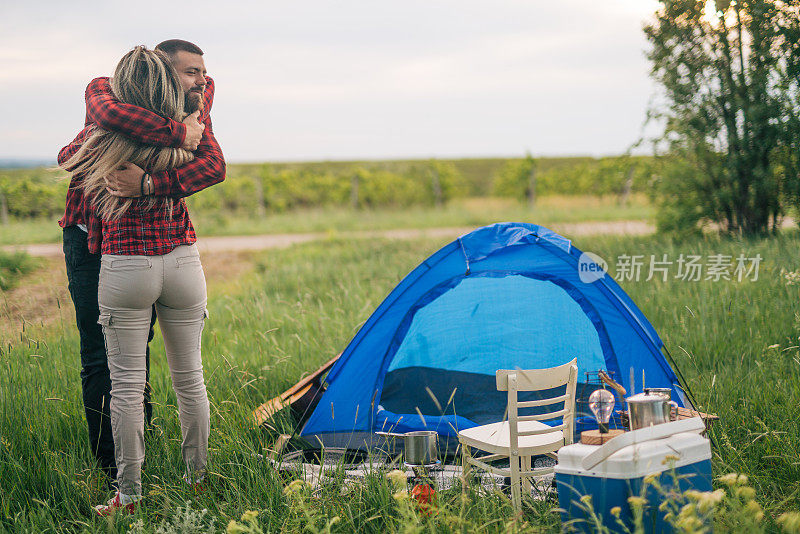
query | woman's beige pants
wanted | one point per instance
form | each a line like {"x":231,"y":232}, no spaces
{"x":129,"y":286}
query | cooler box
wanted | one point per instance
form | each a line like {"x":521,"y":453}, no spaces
{"x":617,"y":472}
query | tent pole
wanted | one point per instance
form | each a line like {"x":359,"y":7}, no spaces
{"x":685,"y":386}
{"x":302,"y":419}
{"x":684,"y":383}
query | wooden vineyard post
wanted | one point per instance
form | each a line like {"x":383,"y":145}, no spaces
{"x":261,"y":209}
{"x":3,"y":208}
{"x":626,"y":192}
{"x":437,"y":186}
{"x":354,"y":191}
{"x":532,"y":185}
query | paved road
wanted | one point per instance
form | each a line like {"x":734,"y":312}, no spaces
{"x":270,"y":241}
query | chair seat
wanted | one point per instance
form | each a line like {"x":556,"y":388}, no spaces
{"x":495,"y":438}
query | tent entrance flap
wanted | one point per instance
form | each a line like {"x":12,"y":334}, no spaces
{"x":461,"y":335}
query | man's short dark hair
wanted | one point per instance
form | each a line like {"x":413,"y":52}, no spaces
{"x":173,"y":46}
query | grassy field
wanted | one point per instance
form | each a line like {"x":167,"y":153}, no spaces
{"x":14,"y":266}
{"x":282,"y":313}
{"x":459,"y":212}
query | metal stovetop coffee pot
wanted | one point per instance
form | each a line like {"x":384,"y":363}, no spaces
{"x":653,"y":407}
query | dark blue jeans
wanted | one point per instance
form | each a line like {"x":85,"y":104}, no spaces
{"x":83,"y":270}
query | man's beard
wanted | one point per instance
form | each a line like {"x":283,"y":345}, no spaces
{"x":192,"y":102}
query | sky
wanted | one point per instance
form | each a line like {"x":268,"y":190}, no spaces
{"x":365,"y":79}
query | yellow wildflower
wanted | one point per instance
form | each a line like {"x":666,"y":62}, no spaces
{"x":637,"y":502}
{"x":754,"y":508}
{"x":706,"y":500}
{"x":729,"y":479}
{"x":294,"y":487}
{"x":688,"y":510}
{"x":790,"y":521}
{"x":249,"y":516}
{"x":616,"y":511}
{"x":689,"y":523}
{"x":397,"y":478}
{"x":705,"y":506}
{"x":670,"y":459}
{"x":693,"y":494}
{"x":401,"y":495}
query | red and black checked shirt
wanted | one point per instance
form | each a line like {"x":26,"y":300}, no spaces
{"x":138,"y":232}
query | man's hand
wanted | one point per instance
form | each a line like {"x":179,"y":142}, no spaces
{"x":194,"y":131}
{"x":126,"y":181}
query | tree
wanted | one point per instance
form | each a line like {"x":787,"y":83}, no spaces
{"x":445,"y":181}
{"x":789,"y":154}
{"x":517,"y":179}
{"x":724,"y":79}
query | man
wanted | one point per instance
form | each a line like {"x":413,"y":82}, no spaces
{"x":208,"y":168}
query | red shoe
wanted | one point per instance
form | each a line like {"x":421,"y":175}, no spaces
{"x":114,"y":504}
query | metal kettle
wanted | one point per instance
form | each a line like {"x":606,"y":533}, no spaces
{"x":650,"y":408}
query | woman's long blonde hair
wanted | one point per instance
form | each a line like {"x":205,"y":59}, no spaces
{"x":147,"y":79}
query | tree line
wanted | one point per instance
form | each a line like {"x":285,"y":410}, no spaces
{"x":259,"y":189}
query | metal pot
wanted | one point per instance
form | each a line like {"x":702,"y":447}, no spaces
{"x":650,"y":408}
{"x":421,"y":447}
{"x":666,"y":392}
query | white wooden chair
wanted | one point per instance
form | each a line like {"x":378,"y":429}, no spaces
{"x":522,"y":437}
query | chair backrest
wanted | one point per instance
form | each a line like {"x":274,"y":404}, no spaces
{"x":518,"y":380}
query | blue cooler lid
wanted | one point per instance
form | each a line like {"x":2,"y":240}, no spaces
{"x":637,"y":460}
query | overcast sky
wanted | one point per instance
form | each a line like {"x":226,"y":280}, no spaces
{"x":368,"y":79}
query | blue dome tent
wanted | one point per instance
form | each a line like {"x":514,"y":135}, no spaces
{"x":505,"y":296}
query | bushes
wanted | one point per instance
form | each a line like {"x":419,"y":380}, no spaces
{"x":676,"y":193}
{"x":257,"y":189}
{"x":252,"y":189}
{"x":514,"y":179}
{"x":574,"y":176}
{"x":32,"y":195}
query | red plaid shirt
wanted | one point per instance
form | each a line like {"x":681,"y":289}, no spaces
{"x":139,"y":232}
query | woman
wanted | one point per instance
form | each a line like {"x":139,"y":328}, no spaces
{"x":148,"y":258}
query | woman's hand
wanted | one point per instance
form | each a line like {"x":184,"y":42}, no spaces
{"x":126,"y":181}
{"x":194,"y":131}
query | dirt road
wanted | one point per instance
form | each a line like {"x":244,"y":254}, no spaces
{"x":43,"y":299}
{"x":270,"y":241}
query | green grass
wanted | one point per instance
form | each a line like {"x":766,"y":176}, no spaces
{"x":14,"y":266}
{"x":461,"y":212}
{"x":736,"y":343}
{"x":21,"y":232}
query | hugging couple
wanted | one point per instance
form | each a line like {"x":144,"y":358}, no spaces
{"x":130,"y":252}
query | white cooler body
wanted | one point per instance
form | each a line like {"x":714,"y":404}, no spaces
{"x":619,"y":476}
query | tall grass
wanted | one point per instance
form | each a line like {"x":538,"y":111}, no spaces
{"x":737,"y":345}
{"x":300,"y":306}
